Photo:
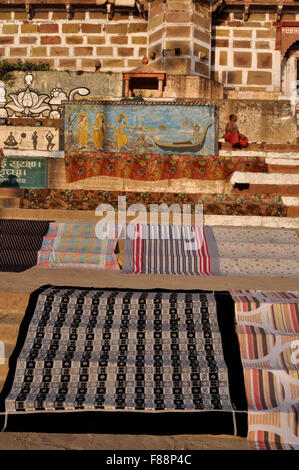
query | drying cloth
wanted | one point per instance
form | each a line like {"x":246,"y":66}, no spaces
{"x":257,"y":251}
{"x":155,"y":167}
{"x":89,"y":199}
{"x":20,"y":241}
{"x":76,"y":245}
{"x":170,"y":249}
{"x":268,"y":330}
{"x":106,"y":350}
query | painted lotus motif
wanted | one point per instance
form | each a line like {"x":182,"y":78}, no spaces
{"x":28,"y":102}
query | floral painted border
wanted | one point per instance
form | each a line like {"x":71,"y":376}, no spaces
{"x":153,"y":167}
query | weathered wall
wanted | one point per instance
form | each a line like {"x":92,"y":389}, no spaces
{"x":261,"y":120}
{"x":100,"y":84}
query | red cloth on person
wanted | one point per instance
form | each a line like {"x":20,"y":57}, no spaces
{"x":236,"y":140}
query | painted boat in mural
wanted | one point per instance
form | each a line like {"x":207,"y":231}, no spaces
{"x":183,"y":146}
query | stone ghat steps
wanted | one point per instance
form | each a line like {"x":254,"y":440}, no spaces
{"x":278,"y":168}
{"x":16,"y":289}
{"x":12,"y":309}
{"x":89,"y":216}
{"x":262,"y":147}
{"x":281,"y":180}
{"x":273,"y":189}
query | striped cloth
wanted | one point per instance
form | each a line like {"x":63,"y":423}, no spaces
{"x":75,"y":245}
{"x":20,"y":241}
{"x":268,"y":331}
{"x":170,"y":249}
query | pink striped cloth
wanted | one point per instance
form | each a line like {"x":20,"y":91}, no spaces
{"x":170,"y":249}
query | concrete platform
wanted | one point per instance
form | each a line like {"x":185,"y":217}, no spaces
{"x":40,"y":441}
{"x":29,"y":280}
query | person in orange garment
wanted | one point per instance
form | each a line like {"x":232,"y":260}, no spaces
{"x":233,"y":135}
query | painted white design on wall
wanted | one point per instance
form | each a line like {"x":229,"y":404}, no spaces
{"x":29,"y":102}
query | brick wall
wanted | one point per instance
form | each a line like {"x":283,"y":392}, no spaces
{"x":185,"y":25}
{"x":78,"y":44}
{"x":90,"y":39}
{"x":243,"y":52}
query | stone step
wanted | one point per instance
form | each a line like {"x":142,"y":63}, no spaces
{"x":223,"y":220}
{"x":293,"y":212}
{"x":3,"y":374}
{"x":9,"y":202}
{"x":12,"y":310}
{"x":265,"y":178}
{"x":9,"y":330}
{"x":265,"y":147}
{"x":289,"y":169}
{"x":13,"y":303}
{"x":273,"y":189}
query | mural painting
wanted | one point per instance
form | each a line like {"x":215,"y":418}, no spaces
{"x":29,"y":102}
{"x":23,"y":172}
{"x":29,"y":138}
{"x":141,"y":129}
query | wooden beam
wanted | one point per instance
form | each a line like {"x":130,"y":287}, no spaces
{"x":110,"y":11}
{"x":218,"y":6}
{"x":246,"y":12}
{"x":279,"y":12}
{"x":141,"y":8}
{"x":69,"y":12}
{"x":29,"y":11}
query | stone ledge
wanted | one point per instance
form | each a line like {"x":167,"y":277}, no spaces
{"x":262,"y":147}
{"x":62,"y":215}
{"x":265,"y":178}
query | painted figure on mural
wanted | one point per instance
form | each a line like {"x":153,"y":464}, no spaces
{"x":70,"y":136}
{"x":50,"y":138}
{"x":195,"y":135}
{"x":119,"y":134}
{"x":99,"y":130}
{"x":141,"y":144}
{"x":233,"y":135}
{"x":11,"y":141}
{"x":83,"y":130}
{"x":34,"y":139}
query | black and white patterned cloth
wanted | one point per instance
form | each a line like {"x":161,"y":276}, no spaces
{"x":125,"y":350}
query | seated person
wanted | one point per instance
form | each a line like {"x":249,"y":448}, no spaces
{"x":233,"y":135}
